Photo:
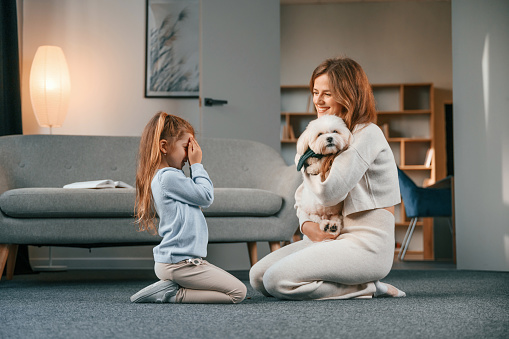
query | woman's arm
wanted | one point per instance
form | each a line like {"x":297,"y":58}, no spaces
{"x":314,"y":233}
{"x":348,"y":168}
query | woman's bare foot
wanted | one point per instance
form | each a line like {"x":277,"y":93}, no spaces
{"x":387,"y":290}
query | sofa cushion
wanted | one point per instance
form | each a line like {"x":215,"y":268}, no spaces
{"x":229,"y":202}
{"x":68,"y":203}
{"x":119,"y":203}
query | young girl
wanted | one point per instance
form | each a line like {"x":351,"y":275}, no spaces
{"x":167,"y":143}
{"x":366,"y":179}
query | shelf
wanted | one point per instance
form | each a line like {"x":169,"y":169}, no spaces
{"x":405,"y":224}
{"x":415,"y":167}
{"x":409,"y":112}
{"x":409,"y":140}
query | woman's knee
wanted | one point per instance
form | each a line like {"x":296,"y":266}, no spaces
{"x":275,"y":283}
{"x":256,"y":276}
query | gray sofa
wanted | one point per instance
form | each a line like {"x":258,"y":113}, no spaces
{"x":254,"y":193}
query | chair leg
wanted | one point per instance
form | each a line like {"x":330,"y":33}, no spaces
{"x":406,"y":240}
{"x":453,"y":234}
{"x":253,"y":252}
{"x":403,"y":243}
{"x":274,"y":245}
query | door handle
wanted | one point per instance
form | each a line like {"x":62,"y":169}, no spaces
{"x":214,"y":102}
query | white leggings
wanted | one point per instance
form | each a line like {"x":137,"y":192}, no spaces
{"x":339,"y":269}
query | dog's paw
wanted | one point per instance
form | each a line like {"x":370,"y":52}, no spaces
{"x":330,"y":226}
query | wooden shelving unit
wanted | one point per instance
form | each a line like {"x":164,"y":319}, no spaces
{"x":405,"y":114}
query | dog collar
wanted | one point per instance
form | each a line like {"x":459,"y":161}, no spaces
{"x":308,"y":154}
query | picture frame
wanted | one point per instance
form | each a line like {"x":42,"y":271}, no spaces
{"x":172,"y":49}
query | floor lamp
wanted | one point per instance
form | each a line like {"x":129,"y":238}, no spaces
{"x":50,"y":89}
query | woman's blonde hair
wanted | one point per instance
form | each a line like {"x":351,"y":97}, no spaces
{"x":350,"y":87}
{"x":161,"y":126}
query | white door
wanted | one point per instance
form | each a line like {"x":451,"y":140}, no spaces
{"x":240,"y":64}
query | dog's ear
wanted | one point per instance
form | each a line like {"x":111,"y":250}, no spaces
{"x":346,"y":135}
{"x":297,"y":159}
{"x":303,"y":142}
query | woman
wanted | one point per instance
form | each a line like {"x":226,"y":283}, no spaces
{"x":366,"y":179}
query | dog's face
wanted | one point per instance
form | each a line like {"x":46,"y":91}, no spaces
{"x":325,"y":135}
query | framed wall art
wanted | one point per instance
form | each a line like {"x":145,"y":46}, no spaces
{"x":172,"y":49}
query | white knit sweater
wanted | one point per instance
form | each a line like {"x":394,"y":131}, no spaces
{"x":364,"y":176}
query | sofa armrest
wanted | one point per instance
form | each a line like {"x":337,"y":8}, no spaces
{"x":4,"y":180}
{"x":283,"y":180}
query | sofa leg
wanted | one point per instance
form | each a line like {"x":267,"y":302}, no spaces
{"x":8,"y":255}
{"x":253,"y":252}
{"x":11,"y":260}
{"x":4,"y":253}
{"x":274,"y":245}
{"x":297,"y":236}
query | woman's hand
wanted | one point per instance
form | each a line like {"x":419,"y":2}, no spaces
{"x":314,"y":233}
{"x":194,"y":153}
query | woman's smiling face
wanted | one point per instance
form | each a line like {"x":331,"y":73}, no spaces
{"x":322,"y":98}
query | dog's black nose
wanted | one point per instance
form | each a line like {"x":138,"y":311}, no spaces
{"x":330,"y":139}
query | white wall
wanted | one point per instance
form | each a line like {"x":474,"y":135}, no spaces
{"x":480,"y":36}
{"x":393,"y":41}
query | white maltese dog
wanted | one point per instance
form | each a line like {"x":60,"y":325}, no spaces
{"x":317,"y":147}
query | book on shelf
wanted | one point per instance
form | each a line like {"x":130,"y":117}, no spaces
{"x":291,"y":133}
{"x":287,"y":132}
{"x":96,"y":184}
{"x":429,"y":157}
{"x":283,"y":135}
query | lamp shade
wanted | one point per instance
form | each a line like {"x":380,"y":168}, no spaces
{"x":50,"y":86}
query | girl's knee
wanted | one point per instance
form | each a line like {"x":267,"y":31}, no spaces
{"x":239,"y":293}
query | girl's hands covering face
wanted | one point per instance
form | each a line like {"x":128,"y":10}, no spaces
{"x":194,"y":153}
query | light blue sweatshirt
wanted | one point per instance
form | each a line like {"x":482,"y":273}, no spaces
{"x":182,"y":225}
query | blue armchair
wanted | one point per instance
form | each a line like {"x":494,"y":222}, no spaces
{"x":422,"y":202}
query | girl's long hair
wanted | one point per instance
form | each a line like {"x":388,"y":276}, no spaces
{"x":350,"y":87}
{"x":161,"y":126}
